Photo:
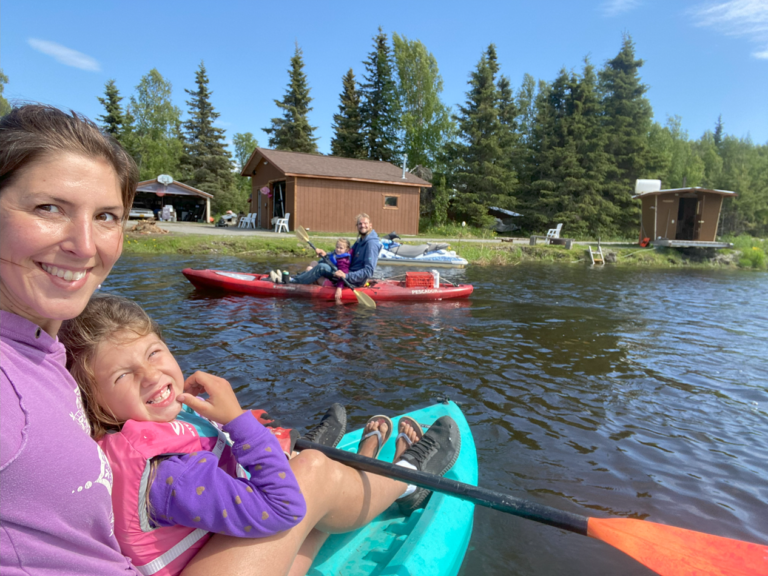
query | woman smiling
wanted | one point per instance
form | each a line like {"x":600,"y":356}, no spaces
{"x":65,"y":189}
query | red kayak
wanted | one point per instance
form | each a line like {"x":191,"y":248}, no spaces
{"x":379,"y":290}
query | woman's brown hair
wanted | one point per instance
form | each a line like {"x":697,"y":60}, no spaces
{"x":106,"y":317}
{"x":33,"y":132}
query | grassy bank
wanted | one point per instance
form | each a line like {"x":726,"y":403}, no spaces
{"x":224,"y":245}
{"x":747,"y":253}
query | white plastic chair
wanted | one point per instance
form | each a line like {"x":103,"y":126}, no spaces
{"x":281,"y":223}
{"x":554,"y":232}
{"x":248,"y":221}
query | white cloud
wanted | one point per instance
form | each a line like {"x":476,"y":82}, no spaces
{"x":740,"y":18}
{"x":65,"y":55}
{"x":616,"y":7}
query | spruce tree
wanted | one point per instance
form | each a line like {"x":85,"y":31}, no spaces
{"x":292,"y":131}
{"x":483,"y":174}
{"x":718,"y":136}
{"x":348,"y":139}
{"x":570,"y":159}
{"x":628,"y":117}
{"x":113,"y":119}
{"x":206,"y":163}
{"x":380,"y":111}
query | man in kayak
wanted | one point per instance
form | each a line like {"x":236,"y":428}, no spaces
{"x":365,"y":255}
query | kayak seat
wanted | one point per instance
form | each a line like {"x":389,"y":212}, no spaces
{"x":408,"y":251}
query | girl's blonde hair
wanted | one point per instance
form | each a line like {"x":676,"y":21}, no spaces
{"x":345,"y":241}
{"x":105,"y":317}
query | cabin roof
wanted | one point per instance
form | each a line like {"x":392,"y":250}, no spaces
{"x":318,"y":166}
{"x":174,"y":187}
{"x":685,"y":191}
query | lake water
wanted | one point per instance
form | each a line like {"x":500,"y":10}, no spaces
{"x":605,"y":392}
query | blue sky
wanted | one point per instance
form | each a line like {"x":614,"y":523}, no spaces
{"x":702,"y":58}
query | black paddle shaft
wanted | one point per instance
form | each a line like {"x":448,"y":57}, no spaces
{"x":474,"y":494}
{"x":327,"y":261}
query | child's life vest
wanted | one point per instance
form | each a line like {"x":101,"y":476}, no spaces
{"x":158,"y":550}
{"x":341,"y":261}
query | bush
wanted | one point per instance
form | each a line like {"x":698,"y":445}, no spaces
{"x":753,"y":258}
{"x":752,"y":251}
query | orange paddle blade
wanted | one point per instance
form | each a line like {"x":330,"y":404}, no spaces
{"x":676,"y":551}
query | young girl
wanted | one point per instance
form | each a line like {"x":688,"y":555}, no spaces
{"x":341,"y":258}
{"x":169,"y":492}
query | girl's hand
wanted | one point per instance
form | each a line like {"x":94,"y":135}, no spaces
{"x":321,"y":253}
{"x":222,"y":405}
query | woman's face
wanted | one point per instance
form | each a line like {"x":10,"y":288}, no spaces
{"x":61,"y":232}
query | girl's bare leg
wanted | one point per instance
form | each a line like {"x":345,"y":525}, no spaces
{"x":339,"y":499}
{"x":309,"y":549}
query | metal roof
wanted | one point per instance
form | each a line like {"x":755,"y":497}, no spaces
{"x":685,"y":190}
{"x":177,"y":188}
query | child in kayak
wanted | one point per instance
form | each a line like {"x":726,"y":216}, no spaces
{"x":340,"y":257}
{"x":151,"y":442}
{"x":175,"y":480}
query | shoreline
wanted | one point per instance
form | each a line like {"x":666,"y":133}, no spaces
{"x":479,"y":252}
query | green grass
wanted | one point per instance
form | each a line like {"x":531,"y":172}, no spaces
{"x":228,"y":246}
{"x":454,"y":230}
{"x":750,"y":254}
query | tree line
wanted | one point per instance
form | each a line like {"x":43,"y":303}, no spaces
{"x":567,"y":150}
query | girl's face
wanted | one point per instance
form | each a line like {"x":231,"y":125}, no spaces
{"x":60,"y":234}
{"x":137,"y":378}
{"x":341,"y":247}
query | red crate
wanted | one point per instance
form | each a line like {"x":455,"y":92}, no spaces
{"x":419,"y":280}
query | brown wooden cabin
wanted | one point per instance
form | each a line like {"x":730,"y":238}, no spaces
{"x":682,"y":217}
{"x":325,"y":193}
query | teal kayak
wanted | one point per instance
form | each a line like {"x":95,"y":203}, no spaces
{"x":431,"y":541}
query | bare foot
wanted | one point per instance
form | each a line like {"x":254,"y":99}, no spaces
{"x":339,"y":302}
{"x":370,"y":445}
{"x":401,"y":446}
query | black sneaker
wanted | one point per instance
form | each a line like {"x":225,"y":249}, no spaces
{"x":331,"y":429}
{"x":433,"y":454}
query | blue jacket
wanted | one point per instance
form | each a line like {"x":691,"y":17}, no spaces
{"x":365,"y":255}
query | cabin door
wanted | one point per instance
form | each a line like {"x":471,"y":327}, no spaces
{"x":686,"y":219}
{"x":278,"y":200}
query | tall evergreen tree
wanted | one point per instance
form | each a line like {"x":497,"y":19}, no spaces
{"x":380,"y":111}
{"x":348,"y":140}
{"x":719,"y":131}
{"x":113,"y":119}
{"x":483,"y":175}
{"x":206,"y":163}
{"x":292,"y":131}
{"x":568,"y":183}
{"x":5,"y":106}
{"x":152,"y":127}
{"x":426,"y":122}
{"x":628,"y":117}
